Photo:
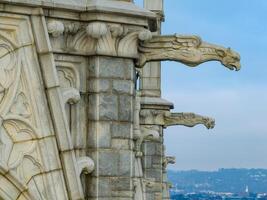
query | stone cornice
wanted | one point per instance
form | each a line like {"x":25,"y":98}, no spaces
{"x":110,"y":6}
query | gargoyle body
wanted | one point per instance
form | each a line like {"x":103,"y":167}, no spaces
{"x":168,"y":160}
{"x":189,"y":50}
{"x":188,"y":119}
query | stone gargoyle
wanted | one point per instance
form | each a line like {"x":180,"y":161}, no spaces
{"x":189,"y":50}
{"x":187,"y":119}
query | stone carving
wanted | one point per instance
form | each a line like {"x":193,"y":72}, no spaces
{"x":55,"y":28}
{"x":50,"y":54}
{"x":97,"y":38}
{"x":21,"y":106}
{"x":166,"y":118}
{"x":189,"y":50}
{"x":23,"y":145}
{"x":26,"y":133}
{"x":96,"y":30}
{"x":147,"y":133}
{"x":86,"y":165}
{"x":8,"y":61}
{"x":187,"y":119}
{"x":141,"y":133}
{"x":69,"y":81}
{"x":168,"y":160}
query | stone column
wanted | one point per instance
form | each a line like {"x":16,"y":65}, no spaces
{"x":151,"y":73}
{"x":151,"y":92}
{"x":110,"y":137}
{"x":152,"y":124}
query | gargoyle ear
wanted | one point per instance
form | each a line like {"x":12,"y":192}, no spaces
{"x":221,"y":53}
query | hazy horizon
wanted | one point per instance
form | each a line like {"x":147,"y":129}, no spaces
{"x":237,"y":100}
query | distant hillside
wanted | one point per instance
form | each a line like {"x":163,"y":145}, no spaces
{"x":224,"y":180}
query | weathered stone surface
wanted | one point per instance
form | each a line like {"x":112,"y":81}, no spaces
{"x":125,"y":108}
{"x":100,"y":85}
{"x":121,"y":144}
{"x":72,"y":125}
{"x":121,"y":130}
{"x":121,"y":86}
{"x":108,"y":107}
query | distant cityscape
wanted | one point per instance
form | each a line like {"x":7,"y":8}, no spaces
{"x":218,"y":196}
{"x":224,"y":184}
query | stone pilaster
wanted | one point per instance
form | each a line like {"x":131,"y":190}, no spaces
{"x":110,"y":137}
{"x":151,"y":73}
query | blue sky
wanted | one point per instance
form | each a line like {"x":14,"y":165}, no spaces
{"x":237,"y":100}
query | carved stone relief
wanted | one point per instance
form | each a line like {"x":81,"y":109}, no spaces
{"x":189,"y":50}
{"x":166,"y":118}
{"x":97,"y":38}
{"x":23,"y":130}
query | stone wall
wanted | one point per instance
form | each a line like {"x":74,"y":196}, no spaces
{"x":110,"y":132}
{"x":73,"y":123}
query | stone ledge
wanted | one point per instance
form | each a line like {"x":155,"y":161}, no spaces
{"x":109,"y":6}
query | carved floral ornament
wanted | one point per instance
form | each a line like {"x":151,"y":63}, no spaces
{"x":98,"y":38}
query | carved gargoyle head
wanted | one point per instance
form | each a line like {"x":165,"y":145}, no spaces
{"x":230,"y":59}
{"x":209,"y":123}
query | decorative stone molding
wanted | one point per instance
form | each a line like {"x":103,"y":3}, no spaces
{"x":85,"y":165}
{"x":96,"y":38}
{"x":70,"y":95}
{"x":147,"y":133}
{"x":55,"y":28}
{"x":69,"y":80}
{"x":189,"y":50}
{"x":29,"y":156}
{"x":97,"y":30}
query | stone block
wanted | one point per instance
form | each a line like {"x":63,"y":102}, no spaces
{"x":104,"y":187}
{"x":153,"y":148}
{"x":111,"y":67}
{"x":155,"y":174}
{"x":122,"y":195}
{"x":126,"y":108}
{"x":125,"y":163}
{"x":50,"y":156}
{"x":122,"y":130}
{"x":157,"y":162}
{"x":99,"y":85}
{"x":108,"y":163}
{"x":103,"y":135}
{"x":92,"y":134}
{"x":113,"y":163}
{"x":120,"y":144}
{"x":108,"y":107}
{"x":129,"y":70}
{"x":123,"y":86}
{"x":121,"y":184}
{"x":150,"y":83}
{"x":148,"y":161}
